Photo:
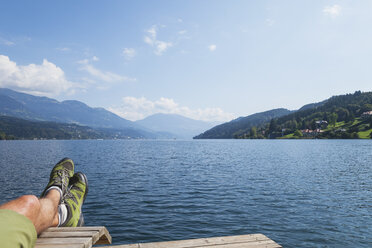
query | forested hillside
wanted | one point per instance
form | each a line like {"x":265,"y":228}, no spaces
{"x":242,"y":125}
{"x":344,"y":116}
{"x":15,"y":128}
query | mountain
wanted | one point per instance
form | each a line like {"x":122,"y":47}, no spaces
{"x":16,"y":128}
{"x":312,"y":105}
{"x":180,"y":126}
{"x":35,"y":108}
{"x":339,"y":117}
{"x":241,"y":125}
{"x":31,"y":107}
{"x":346,"y":116}
{"x":11,"y":107}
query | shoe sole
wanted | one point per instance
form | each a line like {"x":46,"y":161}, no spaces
{"x":87,"y":186}
{"x":81,"y":219}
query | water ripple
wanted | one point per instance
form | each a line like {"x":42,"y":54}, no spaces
{"x":308,"y":193}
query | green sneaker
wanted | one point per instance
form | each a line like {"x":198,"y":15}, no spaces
{"x":74,"y":199}
{"x":60,"y":176}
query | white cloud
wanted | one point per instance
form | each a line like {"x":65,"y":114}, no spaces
{"x":212,"y":47}
{"x":152,"y":32}
{"x":44,"y":79}
{"x":333,"y":11}
{"x":161,"y":47}
{"x":179,"y":20}
{"x":182,"y":32}
{"x":6,"y":42}
{"x":96,"y":73}
{"x":148,"y":40}
{"x":151,"y":39}
{"x":129,"y":53}
{"x":134,"y":108}
{"x":105,"y":76}
{"x":88,"y":61}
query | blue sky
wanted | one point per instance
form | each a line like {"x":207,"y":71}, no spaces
{"x":208,"y":60}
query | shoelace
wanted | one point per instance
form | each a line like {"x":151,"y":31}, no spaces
{"x":61,"y":179}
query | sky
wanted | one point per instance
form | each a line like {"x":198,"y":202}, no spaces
{"x":208,"y":60}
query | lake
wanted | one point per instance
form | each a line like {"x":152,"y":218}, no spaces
{"x":300,"y":193}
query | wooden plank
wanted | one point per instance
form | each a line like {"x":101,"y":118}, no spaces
{"x":69,"y":229}
{"x":87,"y":234}
{"x":104,"y":236}
{"x":59,"y":246}
{"x":251,"y":241}
{"x":258,"y":244}
{"x":123,"y":246}
{"x":87,"y":242}
{"x":207,"y":241}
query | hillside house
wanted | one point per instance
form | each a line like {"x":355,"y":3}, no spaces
{"x":366,"y":114}
{"x":311,"y":133}
{"x":341,"y":130}
{"x":321,"y":124}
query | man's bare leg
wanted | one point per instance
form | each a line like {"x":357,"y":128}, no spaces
{"x":42,"y":212}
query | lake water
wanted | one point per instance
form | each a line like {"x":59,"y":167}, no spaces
{"x":300,"y":193}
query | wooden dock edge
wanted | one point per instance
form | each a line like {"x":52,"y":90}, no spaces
{"x":73,"y":237}
{"x":241,"y":241}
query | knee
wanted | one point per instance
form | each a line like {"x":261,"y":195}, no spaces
{"x":30,"y":202}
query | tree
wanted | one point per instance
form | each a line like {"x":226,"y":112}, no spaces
{"x":253,"y":132}
{"x":367,"y":107}
{"x":273,"y":126}
{"x":351,"y":117}
{"x":354,"y":129}
{"x":343,"y":114}
{"x":332,"y":118}
{"x":303,"y":124}
{"x":354,"y":135}
{"x":313,"y":124}
{"x":353,"y":108}
{"x":298,"y":133}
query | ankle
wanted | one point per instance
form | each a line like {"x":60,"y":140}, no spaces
{"x":54,"y":193}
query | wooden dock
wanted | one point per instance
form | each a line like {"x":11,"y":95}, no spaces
{"x":86,"y":237}
{"x":73,"y":237}
{"x":241,"y":241}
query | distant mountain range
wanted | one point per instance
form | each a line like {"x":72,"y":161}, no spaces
{"x":240,"y":125}
{"x":37,"y":108}
{"x":24,"y":116}
{"x":105,"y":123}
{"x":16,"y":128}
{"x":339,"y":117}
{"x":182,"y":127}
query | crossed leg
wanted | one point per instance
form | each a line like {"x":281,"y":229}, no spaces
{"x":43,"y":212}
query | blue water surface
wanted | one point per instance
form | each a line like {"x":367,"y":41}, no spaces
{"x":300,"y":193}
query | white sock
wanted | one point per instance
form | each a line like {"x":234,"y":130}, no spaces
{"x":54,"y":187}
{"x":62,"y":214}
